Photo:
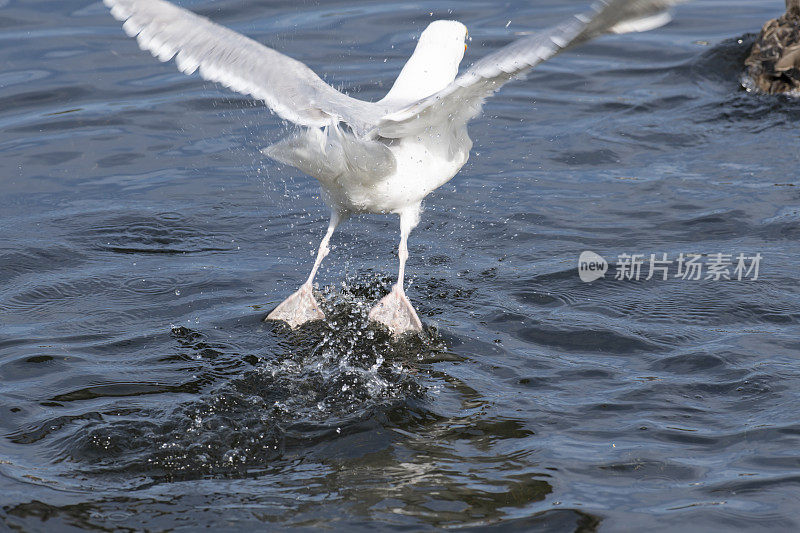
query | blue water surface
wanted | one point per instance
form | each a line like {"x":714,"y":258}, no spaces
{"x":143,"y":239}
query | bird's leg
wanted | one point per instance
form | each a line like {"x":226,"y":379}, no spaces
{"x":302,"y":307}
{"x":395,"y":310}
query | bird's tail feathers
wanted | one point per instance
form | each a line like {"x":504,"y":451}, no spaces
{"x":329,"y":153}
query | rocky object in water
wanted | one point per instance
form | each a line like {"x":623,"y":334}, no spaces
{"x":773,"y":65}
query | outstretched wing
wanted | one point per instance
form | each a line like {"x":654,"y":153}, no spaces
{"x":462,"y":100}
{"x":291,"y":89}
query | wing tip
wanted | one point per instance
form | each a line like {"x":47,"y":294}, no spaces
{"x":642,"y":24}
{"x":117,"y":11}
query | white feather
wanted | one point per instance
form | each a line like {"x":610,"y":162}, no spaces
{"x":643,"y":24}
{"x":289,"y":87}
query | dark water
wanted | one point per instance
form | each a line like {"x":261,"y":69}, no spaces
{"x":144,"y":240}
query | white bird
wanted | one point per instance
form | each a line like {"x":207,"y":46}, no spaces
{"x":370,"y":157}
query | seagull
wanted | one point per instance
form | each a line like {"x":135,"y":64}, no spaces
{"x":370,"y":157}
{"x":773,"y":65}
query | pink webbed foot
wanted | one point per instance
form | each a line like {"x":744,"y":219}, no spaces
{"x":299,"y":308}
{"x":396,"y":313}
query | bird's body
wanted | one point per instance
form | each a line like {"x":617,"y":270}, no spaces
{"x":773,"y":65}
{"x":370,"y":157}
{"x":374,"y":176}
{"x":370,"y":173}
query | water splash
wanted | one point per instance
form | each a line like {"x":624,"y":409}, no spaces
{"x":327,"y":379}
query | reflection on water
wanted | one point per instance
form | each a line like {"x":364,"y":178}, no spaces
{"x":144,"y":240}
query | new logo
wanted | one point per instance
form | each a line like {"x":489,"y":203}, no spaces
{"x":591,"y":266}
